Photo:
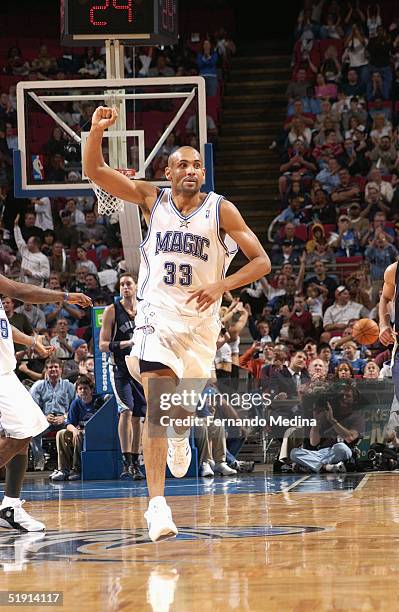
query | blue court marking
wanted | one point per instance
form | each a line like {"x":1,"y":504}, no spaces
{"x":42,"y":490}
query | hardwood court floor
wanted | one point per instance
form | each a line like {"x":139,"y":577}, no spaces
{"x":259,"y":542}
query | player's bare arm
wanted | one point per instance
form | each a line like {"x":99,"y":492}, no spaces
{"x":387,"y":335}
{"x":232,"y":223}
{"x":37,"y":295}
{"x":33,"y":342}
{"x":137,"y":192}
{"x":107,"y":326}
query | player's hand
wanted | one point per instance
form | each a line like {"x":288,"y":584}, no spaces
{"x":387,"y":335}
{"x":43,"y":350}
{"x":81,"y":299}
{"x":103,"y":117}
{"x":206,"y":296}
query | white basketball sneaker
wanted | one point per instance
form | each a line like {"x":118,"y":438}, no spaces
{"x":15,"y":517}
{"x":179,"y":456}
{"x":159,"y":520}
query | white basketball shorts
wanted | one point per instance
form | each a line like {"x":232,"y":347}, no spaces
{"x":20,"y":416}
{"x":187,"y":345}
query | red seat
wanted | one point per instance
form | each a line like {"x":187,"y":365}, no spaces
{"x":345,"y":266}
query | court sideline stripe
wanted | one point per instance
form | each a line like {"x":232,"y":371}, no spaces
{"x":293,"y":485}
{"x":363,"y":482}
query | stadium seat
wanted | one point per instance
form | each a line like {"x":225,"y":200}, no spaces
{"x":345,"y":266}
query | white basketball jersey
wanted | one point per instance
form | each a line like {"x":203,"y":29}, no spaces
{"x":181,"y":254}
{"x":7,"y":356}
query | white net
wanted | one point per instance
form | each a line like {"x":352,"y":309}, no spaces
{"x":108,"y":204}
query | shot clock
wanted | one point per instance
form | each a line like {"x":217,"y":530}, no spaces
{"x":146,"y":22}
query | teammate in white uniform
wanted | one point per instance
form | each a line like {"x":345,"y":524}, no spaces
{"x":20,"y":417}
{"x":181,"y":282}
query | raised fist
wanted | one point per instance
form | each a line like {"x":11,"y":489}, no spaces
{"x":104,"y":117}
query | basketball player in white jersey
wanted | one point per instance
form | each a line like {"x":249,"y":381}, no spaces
{"x":184,"y":258}
{"x":20,"y":417}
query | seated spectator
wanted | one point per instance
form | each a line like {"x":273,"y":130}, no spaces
{"x":322,"y":211}
{"x":318,"y":237}
{"x":16,"y":65}
{"x":296,"y":110}
{"x":380,"y":254}
{"x":378,"y":108}
{"x":329,"y":177}
{"x":54,"y":171}
{"x":343,"y":371}
{"x":356,"y":110}
{"x":339,"y":425}
{"x":379,"y":227}
{"x":385,"y":188}
{"x":381,"y":127}
{"x":349,"y":355}
{"x":321,"y":280}
{"x":359,"y":223}
{"x":35,"y":267}
{"x":18,"y":320}
{"x":360,"y":288}
{"x":54,"y":396}
{"x":371,"y":371}
{"x":161,"y":68}
{"x":347,"y":243}
{"x":295,"y":160}
{"x":353,"y":86}
{"x":285,"y":255}
{"x":34,"y":315}
{"x":92,"y":65}
{"x":331,"y":67}
{"x":376,"y":87}
{"x":158,"y":166}
{"x":63,"y":340}
{"x":67,"y":234}
{"x":299,"y":131}
{"x":82,"y":260}
{"x":324,"y":89}
{"x":384,"y":154}
{"x":298,"y":87}
{"x":285,"y":330}
{"x":284,"y":383}
{"x":61,"y":262}
{"x":353,"y":156}
{"x":86,"y":367}
{"x":338,"y":315}
{"x":70,"y":440}
{"x":301,"y":316}
{"x":44,"y":64}
{"x":71,"y":366}
{"x":57,"y":142}
{"x":29,"y":227}
{"x":314,"y":301}
{"x":92,"y":234}
{"x":77,"y":216}
{"x":347,"y":191}
{"x":294,"y":213}
{"x":48,"y":242}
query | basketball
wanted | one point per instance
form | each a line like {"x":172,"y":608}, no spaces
{"x":365,"y":331}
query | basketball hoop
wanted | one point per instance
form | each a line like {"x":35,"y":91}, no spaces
{"x":109,"y":204}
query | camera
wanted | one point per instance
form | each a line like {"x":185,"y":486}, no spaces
{"x":382,"y":457}
{"x":223,"y":331}
{"x":323,"y":398}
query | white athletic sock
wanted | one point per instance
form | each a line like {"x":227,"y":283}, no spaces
{"x":156,"y":500}
{"x":10,"y":502}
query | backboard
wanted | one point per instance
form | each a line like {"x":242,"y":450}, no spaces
{"x":152,"y":112}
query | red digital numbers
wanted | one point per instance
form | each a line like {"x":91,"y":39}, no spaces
{"x":168,"y":10}
{"x":126,"y":6}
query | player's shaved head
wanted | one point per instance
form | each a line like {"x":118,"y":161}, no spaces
{"x":182,"y":153}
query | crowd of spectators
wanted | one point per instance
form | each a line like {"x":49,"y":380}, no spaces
{"x":336,"y":232}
